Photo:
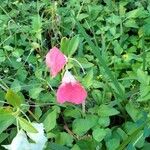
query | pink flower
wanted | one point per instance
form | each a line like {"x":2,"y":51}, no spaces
{"x":71,"y":90}
{"x":55,"y":60}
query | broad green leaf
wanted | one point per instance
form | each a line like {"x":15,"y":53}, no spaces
{"x":104,"y":121}
{"x":122,"y":134}
{"x":15,"y":86}
{"x":75,"y":147}
{"x":21,"y":74}
{"x":131,"y":24}
{"x":37,"y":26}
{"x":117,"y":48}
{"x":34,"y":92}
{"x":82,"y":16}
{"x":134,"y":13}
{"x":88,"y":79}
{"x":6,"y":119}
{"x":133,"y":112}
{"x":13,"y":98}
{"x":54,"y":146}
{"x":27,"y":126}
{"x":75,"y":113}
{"x":73,"y":45}
{"x":106,"y":110}
{"x":143,"y":77}
{"x":99,"y":134}
{"x":64,"y":139}
{"x":112,"y":144}
{"x":64,"y":45}
{"x":81,"y":126}
{"x":87,"y":144}
{"x":3,"y":136}
{"x":50,"y":120}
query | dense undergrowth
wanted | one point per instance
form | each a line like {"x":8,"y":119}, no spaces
{"x":110,"y":39}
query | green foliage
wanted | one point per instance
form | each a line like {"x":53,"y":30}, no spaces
{"x":110,"y":39}
{"x":26,"y":125}
{"x":13,"y":99}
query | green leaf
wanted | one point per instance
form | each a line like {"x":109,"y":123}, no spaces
{"x":3,"y":136}
{"x":73,"y":45}
{"x":50,"y":120}
{"x":135,"y":13}
{"x":13,"y":98}
{"x":27,"y":126}
{"x":95,"y":50}
{"x":37,"y":26}
{"x":15,"y":86}
{"x":112,"y":144}
{"x":106,"y":110}
{"x":99,"y":134}
{"x":87,"y":144}
{"x":82,"y":16}
{"x":34,"y":92}
{"x":104,"y":121}
{"x":117,"y":48}
{"x":54,"y":146}
{"x":133,"y":112}
{"x":75,"y":113}
{"x":64,"y":139}
{"x":81,"y":126}
{"x":2,"y":56}
{"x":131,"y":24}
{"x":88,"y":79}
{"x":6,"y":119}
{"x":64,"y":45}
{"x":142,"y":77}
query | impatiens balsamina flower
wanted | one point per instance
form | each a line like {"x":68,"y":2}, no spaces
{"x":20,"y":142}
{"x":71,"y":90}
{"x":55,"y":60}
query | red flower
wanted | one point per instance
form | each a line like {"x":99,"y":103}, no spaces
{"x":71,"y":90}
{"x":55,"y":60}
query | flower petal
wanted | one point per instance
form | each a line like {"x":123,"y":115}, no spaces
{"x":39,"y":138}
{"x":19,"y":142}
{"x":55,"y":60}
{"x":68,"y":77}
{"x":71,"y":92}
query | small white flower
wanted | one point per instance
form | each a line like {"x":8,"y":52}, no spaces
{"x":19,"y":142}
{"x":39,"y":138}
